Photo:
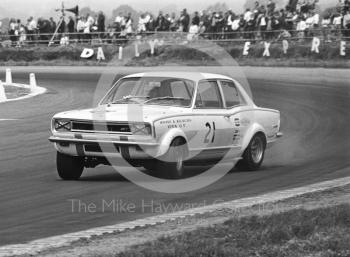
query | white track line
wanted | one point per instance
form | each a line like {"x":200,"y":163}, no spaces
{"x":39,"y":245}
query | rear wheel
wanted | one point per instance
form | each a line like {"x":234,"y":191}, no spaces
{"x":172,"y":165}
{"x":69,"y":167}
{"x":253,"y":156}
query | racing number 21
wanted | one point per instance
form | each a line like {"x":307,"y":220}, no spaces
{"x":207,"y":136}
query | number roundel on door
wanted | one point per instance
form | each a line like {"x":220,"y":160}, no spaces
{"x":210,"y":135}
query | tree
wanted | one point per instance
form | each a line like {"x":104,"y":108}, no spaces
{"x":328,"y":12}
{"x":218,"y":7}
{"x":87,"y":10}
{"x":279,"y":3}
{"x":124,"y":9}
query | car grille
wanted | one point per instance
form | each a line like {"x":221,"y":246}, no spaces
{"x":88,"y":126}
{"x":96,"y":148}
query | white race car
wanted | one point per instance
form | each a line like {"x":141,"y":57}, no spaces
{"x":163,"y":121}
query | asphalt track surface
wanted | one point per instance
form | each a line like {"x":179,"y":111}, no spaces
{"x":34,"y":203}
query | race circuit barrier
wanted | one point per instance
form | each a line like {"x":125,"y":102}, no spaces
{"x":88,"y":53}
{"x":34,"y":89}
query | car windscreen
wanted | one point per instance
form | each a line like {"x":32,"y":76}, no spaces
{"x":152,"y":91}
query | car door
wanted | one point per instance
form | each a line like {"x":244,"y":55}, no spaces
{"x":214,"y":128}
{"x":236,"y":108}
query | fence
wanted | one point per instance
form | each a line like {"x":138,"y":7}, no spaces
{"x":118,"y":38}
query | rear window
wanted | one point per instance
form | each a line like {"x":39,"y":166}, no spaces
{"x":231,"y":94}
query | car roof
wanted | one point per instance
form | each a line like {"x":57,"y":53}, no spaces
{"x":195,"y":76}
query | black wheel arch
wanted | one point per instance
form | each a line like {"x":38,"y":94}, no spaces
{"x":263,"y":135}
{"x":184,"y":141}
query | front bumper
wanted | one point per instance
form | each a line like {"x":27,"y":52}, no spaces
{"x":126,"y":148}
{"x":54,"y":139}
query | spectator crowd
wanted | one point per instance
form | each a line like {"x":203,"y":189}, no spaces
{"x":299,"y":19}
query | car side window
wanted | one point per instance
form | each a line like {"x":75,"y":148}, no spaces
{"x":231,"y":94}
{"x":208,"y":95}
{"x":180,"y":89}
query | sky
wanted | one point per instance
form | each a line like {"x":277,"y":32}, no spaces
{"x":42,"y":7}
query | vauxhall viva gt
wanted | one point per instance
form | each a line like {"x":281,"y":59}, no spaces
{"x":163,"y":121}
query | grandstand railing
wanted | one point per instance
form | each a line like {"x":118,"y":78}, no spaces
{"x":114,"y":37}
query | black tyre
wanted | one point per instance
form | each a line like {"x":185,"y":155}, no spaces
{"x":172,"y":164}
{"x":253,"y":156}
{"x":69,"y":167}
{"x":150,"y":165}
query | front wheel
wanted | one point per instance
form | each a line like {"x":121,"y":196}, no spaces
{"x":69,"y":167}
{"x":149,"y":165}
{"x":172,"y":165}
{"x":253,"y":156}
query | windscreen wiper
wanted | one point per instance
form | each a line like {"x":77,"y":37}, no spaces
{"x":127,"y":98}
{"x":164,"y":98}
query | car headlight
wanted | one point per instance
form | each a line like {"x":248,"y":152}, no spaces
{"x":62,"y":125}
{"x":140,"y":129}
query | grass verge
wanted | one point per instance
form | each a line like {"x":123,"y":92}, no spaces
{"x":16,"y":92}
{"x":299,"y":55}
{"x":318,"y":232}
